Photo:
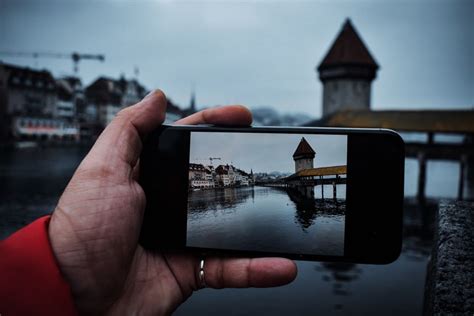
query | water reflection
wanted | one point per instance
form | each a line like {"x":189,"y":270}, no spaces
{"x":217,"y":199}
{"x":308,"y":208}
{"x":418,"y":228}
{"x":264,"y":219}
{"x":228,"y":199}
{"x":418,"y":232}
{"x":340,"y":275}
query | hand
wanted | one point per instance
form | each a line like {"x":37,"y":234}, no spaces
{"x":95,"y":227}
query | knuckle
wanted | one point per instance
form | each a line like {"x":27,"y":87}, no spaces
{"x":99,"y":170}
{"x":124,"y":113}
{"x":220,"y":275}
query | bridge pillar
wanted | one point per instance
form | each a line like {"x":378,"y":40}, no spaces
{"x":309,"y":192}
{"x":334,"y":192}
{"x":462,"y":176}
{"x":421,"y":177}
{"x":469,"y":171}
{"x":322,"y":187}
{"x":470,"y":179}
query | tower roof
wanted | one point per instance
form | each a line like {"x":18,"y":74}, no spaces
{"x":304,"y":150}
{"x":348,"y":48}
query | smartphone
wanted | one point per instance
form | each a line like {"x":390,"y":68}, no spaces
{"x":325,"y":194}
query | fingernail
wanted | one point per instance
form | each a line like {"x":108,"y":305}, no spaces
{"x":152,"y":92}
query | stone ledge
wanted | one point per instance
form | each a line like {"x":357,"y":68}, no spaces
{"x":450,"y":276}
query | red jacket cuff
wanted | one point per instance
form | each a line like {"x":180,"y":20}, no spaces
{"x":30,"y":280}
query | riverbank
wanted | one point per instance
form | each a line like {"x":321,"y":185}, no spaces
{"x":220,"y":187}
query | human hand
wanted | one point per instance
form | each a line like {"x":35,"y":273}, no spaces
{"x":95,"y":227}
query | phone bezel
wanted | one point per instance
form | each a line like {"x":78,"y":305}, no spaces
{"x":386,"y":234}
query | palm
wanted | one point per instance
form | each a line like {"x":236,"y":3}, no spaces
{"x":95,"y":228}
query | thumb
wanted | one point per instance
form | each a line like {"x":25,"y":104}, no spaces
{"x":118,"y":148}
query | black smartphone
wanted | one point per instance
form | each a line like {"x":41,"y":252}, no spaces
{"x":326,"y":194}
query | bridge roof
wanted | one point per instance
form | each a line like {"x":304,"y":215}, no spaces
{"x":437,"y":121}
{"x":323,"y":171}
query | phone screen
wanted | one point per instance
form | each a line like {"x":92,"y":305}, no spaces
{"x":283,"y":193}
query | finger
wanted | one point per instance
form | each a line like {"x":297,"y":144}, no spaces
{"x":120,"y":143}
{"x":224,"y":115}
{"x":238,"y":272}
{"x":146,"y":115}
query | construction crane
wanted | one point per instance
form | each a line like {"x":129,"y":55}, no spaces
{"x":74,"y":56}
{"x":210,"y":160}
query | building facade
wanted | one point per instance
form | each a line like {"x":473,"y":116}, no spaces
{"x":201,"y":176}
{"x":107,"y":96}
{"x":36,"y":106}
{"x":30,"y":108}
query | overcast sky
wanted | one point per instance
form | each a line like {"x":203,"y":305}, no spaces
{"x":265,"y":152}
{"x":254,"y":52}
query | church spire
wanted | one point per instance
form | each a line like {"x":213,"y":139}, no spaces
{"x":192,"y":102}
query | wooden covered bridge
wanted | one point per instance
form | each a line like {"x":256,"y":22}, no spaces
{"x":430,"y":123}
{"x":305,"y":180}
{"x":306,"y":177}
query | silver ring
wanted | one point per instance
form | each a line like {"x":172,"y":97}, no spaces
{"x":202,"y":280}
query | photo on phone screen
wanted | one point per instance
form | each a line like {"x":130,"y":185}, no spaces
{"x":282,"y":193}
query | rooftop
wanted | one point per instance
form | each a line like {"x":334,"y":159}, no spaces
{"x":348,"y":49}
{"x":304,"y":149}
{"x":323,"y":171}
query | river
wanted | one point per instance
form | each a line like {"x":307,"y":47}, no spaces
{"x":263,"y":218}
{"x":31,"y":181}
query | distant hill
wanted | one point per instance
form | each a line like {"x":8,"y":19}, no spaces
{"x":268,"y":116}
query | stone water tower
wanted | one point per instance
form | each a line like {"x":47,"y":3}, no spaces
{"x":347,"y":72}
{"x":304,"y":156}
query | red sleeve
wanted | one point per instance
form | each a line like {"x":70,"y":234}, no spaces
{"x":30,"y":280}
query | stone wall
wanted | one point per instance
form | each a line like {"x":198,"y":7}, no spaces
{"x":450,"y":275}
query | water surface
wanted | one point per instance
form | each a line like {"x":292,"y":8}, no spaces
{"x":32,"y":180}
{"x":259,"y":218}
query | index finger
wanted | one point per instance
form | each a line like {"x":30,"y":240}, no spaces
{"x":224,"y":115}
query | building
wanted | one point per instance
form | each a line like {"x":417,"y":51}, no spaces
{"x":347,"y":72}
{"x":107,"y":96}
{"x":223,"y":178}
{"x":243,"y":178}
{"x":36,"y":106}
{"x":66,"y":100}
{"x":200,"y":176}
{"x":304,"y":156}
{"x":76,"y":88}
{"x":29,"y":107}
{"x":228,"y":175}
{"x":39,"y":128}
